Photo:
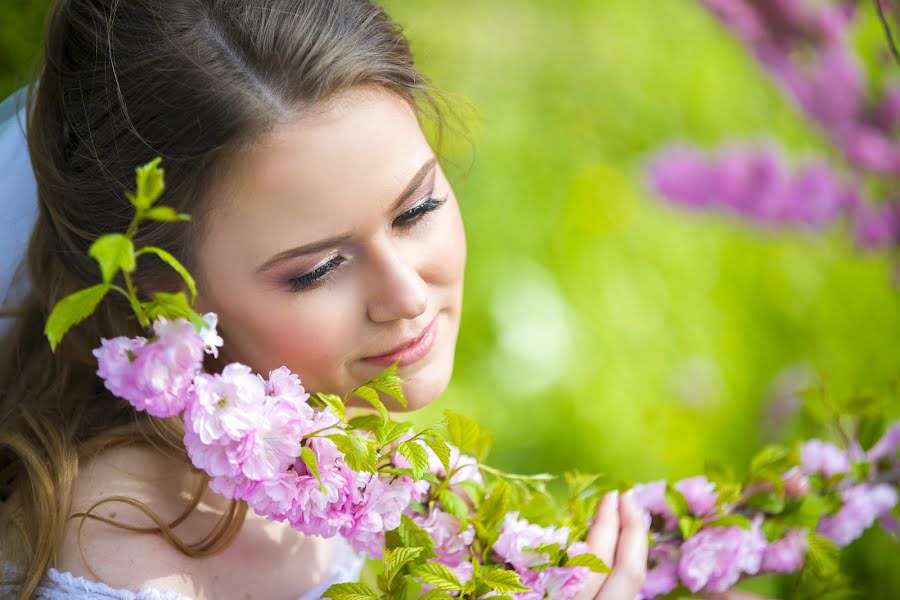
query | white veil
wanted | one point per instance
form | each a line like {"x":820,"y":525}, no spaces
{"x":18,"y":199}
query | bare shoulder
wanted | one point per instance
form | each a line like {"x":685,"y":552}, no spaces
{"x":288,"y":563}
{"x":120,"y":557}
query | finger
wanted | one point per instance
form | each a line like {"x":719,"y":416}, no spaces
{"x":630,"y":565}
{"x":601,"y":540}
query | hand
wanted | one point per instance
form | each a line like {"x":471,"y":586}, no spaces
{"x":619,"y":537}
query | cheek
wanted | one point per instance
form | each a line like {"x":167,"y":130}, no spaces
{"x":312,"y":336}
{"x":447,"y":249}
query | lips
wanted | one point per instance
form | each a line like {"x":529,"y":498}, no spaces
{"x":410,"y":351}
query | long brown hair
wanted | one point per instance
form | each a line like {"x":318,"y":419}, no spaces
{"x":193,"y":81}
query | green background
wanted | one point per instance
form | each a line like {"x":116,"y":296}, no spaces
{"x":603,"y":329}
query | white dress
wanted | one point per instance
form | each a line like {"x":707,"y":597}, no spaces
{"x":62,"y":585}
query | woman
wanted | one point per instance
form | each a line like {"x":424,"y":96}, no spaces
{"x":325,"y":236}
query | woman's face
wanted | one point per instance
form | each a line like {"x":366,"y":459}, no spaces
{"x":336,"y":242}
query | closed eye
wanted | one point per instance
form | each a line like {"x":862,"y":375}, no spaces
{"x":317,"y":276}
{"x":419,"y":210}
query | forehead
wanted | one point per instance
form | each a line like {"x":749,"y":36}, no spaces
{"x":323,"y":173}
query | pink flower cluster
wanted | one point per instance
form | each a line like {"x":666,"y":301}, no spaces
{"x":714,"y":558}
{"x":156,"y":377}
{"x":753,"y":183}
{"x":806,"y":47}
{"x":862,"y":502}
{"x":248,"y":434}
{"x":516,"y":547}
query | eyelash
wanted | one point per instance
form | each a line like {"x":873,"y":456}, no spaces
{"x":324,"y":273}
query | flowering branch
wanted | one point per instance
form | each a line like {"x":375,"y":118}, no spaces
{"x":444,"y":523}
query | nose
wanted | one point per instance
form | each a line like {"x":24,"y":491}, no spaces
{"x":396,"y":289}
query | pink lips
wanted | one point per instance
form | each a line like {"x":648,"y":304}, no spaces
{"x":409,"y":352}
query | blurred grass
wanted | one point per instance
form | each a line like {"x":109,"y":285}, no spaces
{"x":602,"y":329}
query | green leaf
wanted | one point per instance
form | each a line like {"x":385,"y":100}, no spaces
{"x":416,"y":455}
{"x":822,"y":555}
{"x":501,"y":580}
{"x":732,"y":520}
{"x":350,"y":591}
{"x":676,"y":501}
{"x":436,"y":595}
{"x":166,"y":213}
{"x":592,"y":561}
{"x":439,"y":575}
{"x":395,"y":560}
{"x":388,"y":382}
{"x":113,"y":252}
{"x":863,"y":403}
{"x":441,"y":449}
{"x":464,"y":432}
{"x":688,"y":526}
{"x":728,"y":493}
{"x":869,"y":430}
{"x":335,"y":403}
{"x":718,"y":472}
{"x":806,"y":512}
{"x":312,"y":463}
{"x":770,"y":458}
{"x":430,"y":477}
{"x":175,"y":264}
{"x":367,"y":422}
{"x":773,"y":530}
{"x":414,"y":536}
{"x":359,"y":454}
{"x":455,"y":505}
{"x":150,"y":184}
{"x":172,"y":306}
{"x":495,"y":505}
{"x":391,"y":431}
{"x":767,"y":501}
{"x":370,"y":395}
{"x":71,"y":310}
{"x":474,"y":490}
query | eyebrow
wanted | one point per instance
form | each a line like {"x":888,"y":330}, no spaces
{"x":414,"y":184}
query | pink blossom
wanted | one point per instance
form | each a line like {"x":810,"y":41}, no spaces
{"x":236,"y":486}
{"x":785,"y":555}
{"x":275,"y":442}
{"x":821,"y":457}
{"x":451,"y":543}
{"x":863,"y":504}
{"x":164,"y":369}
{"x":662,"y":576}
{"x":384,"y":500}
{"x":517,"y":534}
{"x":651,"y":497}
{"x":273,"y":495}
{"x":212,"y":341}
{"x":715,"y":557}
{"x":887,"y":446}
{"x":284,"y":384}
{"x":559,"y":583}
{"x":699,"y":493}
{"x":877,"y":225}
{"x":114,"y":362}
{"x":225,"y":405}
{"x":796,"y":483}
{"x":220,"y":460}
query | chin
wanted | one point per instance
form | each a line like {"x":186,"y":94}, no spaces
{"x":425,"y":386}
